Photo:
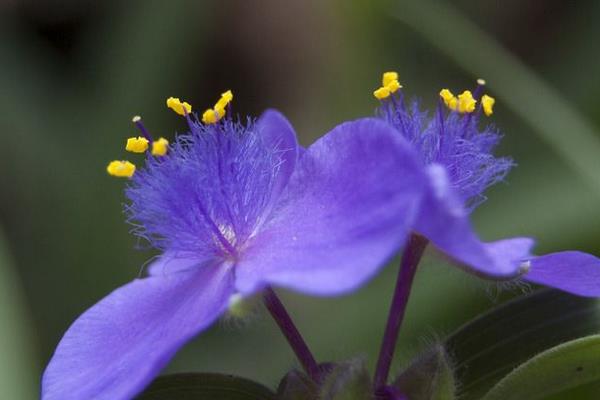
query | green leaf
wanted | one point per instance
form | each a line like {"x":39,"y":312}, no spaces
{"x":18,"y":371}
{"x":486,"y":349}
{"x":205,"y":386}
{"x":430,"y":377}
{"x":347,"y":381}
{"x":562,"y":367}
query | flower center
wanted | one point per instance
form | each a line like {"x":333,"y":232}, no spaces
{"x":451,"y":136}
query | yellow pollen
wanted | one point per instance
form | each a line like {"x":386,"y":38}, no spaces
{"x":214,"y":115}
{"x":159,"y":147}
{"x":225,"y":99}
{"x":449,"y":99}
{"x":466,"y":102}
{"x":389,"y":77}
{"x":210,"y":116}
{"x":121,"y":169}
{"x":393,"y":86}
{"x":389,"y":85}
{"x":178,"y":106}
{"x":382,"y":93}
{"x":136,"y":144}
{"x":487,"y":102}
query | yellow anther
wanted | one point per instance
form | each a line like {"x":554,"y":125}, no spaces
{"x":160,"y":147}
{"x":389,"y":77}
{"x":225,"y":99}
{"x":449,"y":99}
{"x":178,"y":106}
{"x":393,"y":86}
{"x":137,"y":144}
{"x":487,"y":102}
{"x":214,"y":115}
{"x":136,"y":118}
{"x":121,"y":169}
{"x":481,"y":82}
{"x":389,"y":85}
{"x":210,"y":116}
{"x":466,"y":102}
{"x":382,"y":93}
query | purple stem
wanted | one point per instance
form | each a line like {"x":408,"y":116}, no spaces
{"x":408,"y":267}
{"x":390,"y":393}
{"x":291,"y":333}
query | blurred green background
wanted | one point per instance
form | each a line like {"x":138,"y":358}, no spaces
{"x":72,"y":73}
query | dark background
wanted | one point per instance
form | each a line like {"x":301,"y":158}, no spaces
{"x":72,"y":73}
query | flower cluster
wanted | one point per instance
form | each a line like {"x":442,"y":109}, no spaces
{"x":237,"y":206}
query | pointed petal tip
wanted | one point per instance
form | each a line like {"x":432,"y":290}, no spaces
{"x":570,"y":271}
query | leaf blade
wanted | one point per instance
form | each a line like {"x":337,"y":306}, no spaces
{"x":205,"y":386}
{"x":563,"y":367}
{"x":487,"y":348}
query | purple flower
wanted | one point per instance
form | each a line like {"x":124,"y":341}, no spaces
{"x":457,"y":155}
{"x":233,"y":209}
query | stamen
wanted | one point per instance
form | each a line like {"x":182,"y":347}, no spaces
{"x":137,"y":120}
{"x":466,"y":102}
{"x":389,"y":77}
{"x":210,"y":116}
{"x":226,"y":98}
{"x":487,"y":103}
{"x":381,"y":93}
{"x":390,"y":85}
{"x":160,"y":147}
{"x":449,"y":99}
{"x":479,"y":88}
{"x":214,"y":115}
{"x":181,"y":108}
{"x":120,"y":169}
{"x":393,"y":86}
{"x":136,"y":144}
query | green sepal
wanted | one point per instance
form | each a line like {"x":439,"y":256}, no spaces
{"x":563,"y":367}
{"x":205,"y":386}
{"x":429,"y":377}
{"x":349,"y":380}
{"x":296,"y":385}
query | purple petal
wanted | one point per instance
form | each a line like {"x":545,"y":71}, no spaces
{"x":114,"y":349}
{"x":572,"y":271}
{"x":346,"y":210}
{"x":173,"y":262}
{"x":276,"y":131}
{"x":445,"y":222}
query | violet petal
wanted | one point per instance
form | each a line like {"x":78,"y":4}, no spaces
{"x":572,"y":271}
{"x":115,"y":348}
{"x":445,"y":222}
{"x":276,"y":131}
{"x":347,"y":209}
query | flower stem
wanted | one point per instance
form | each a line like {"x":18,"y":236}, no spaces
{"x":408,"y":267}
{"x":291,"y":333}
{"x":389,"y":393}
